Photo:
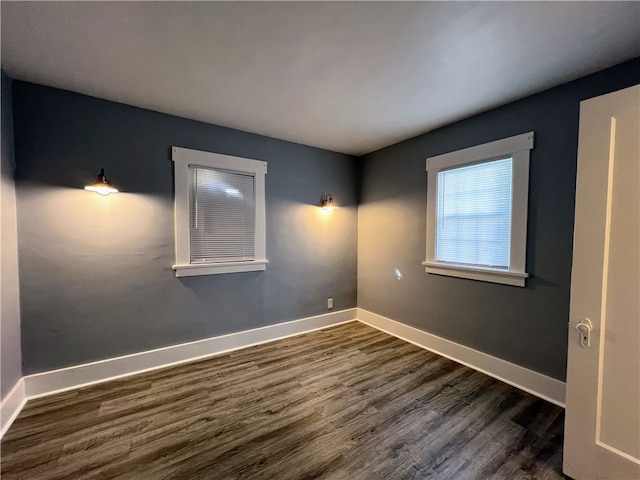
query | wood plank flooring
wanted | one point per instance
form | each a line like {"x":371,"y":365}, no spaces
{"x":348,"y":402}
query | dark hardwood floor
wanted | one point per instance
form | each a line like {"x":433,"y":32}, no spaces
{"x":348,"y":402}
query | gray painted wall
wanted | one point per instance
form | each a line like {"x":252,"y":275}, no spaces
{"x":95,"y":272}
{"x":527,"y":326}
{"x":11,"y":356}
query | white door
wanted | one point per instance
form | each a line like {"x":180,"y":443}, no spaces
{"x":602,"y":428}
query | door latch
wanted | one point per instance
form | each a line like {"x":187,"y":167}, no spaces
{"x":584,"y":331}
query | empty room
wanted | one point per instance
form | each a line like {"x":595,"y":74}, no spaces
{"x":332,"y":240}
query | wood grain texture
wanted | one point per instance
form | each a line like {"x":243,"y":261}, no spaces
{"x":348,"y":402}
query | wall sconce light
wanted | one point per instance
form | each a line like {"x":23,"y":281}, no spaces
{"x":102,"y":185}
{"x":327,"y":202}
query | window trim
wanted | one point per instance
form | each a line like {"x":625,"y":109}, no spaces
{"x":518,"y":148}
{"x":182,"y":159}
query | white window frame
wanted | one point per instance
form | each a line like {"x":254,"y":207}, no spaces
{"x":183,"y":158}
{"x":518,"y":148}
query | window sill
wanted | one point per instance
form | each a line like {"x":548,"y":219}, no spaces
{"x":192,"y":270}
{"x":484,"y":274}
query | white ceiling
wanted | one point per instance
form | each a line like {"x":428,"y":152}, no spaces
{"x":346,"y":76}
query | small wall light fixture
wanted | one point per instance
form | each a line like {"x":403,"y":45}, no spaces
{"x":327,"y":202}
{"x":102,"y":185}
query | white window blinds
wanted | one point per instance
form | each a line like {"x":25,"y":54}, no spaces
{"x":473,"y":214}
{"x":221,"y":215}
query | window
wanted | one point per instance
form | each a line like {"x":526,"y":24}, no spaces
{"x":477,"y":211}
{"x":219,"y":213}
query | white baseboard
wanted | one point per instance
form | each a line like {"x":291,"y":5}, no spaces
{"x":537,"y":384}
{"x":11,"y":406}
{"x":55,"y":381}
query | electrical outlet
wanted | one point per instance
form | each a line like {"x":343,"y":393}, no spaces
{"x":329,"y":302}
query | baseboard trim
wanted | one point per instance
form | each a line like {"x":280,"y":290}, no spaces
{"x":537,"y":384}
{"x":11,"y":406}
{"x":55,"y":381}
